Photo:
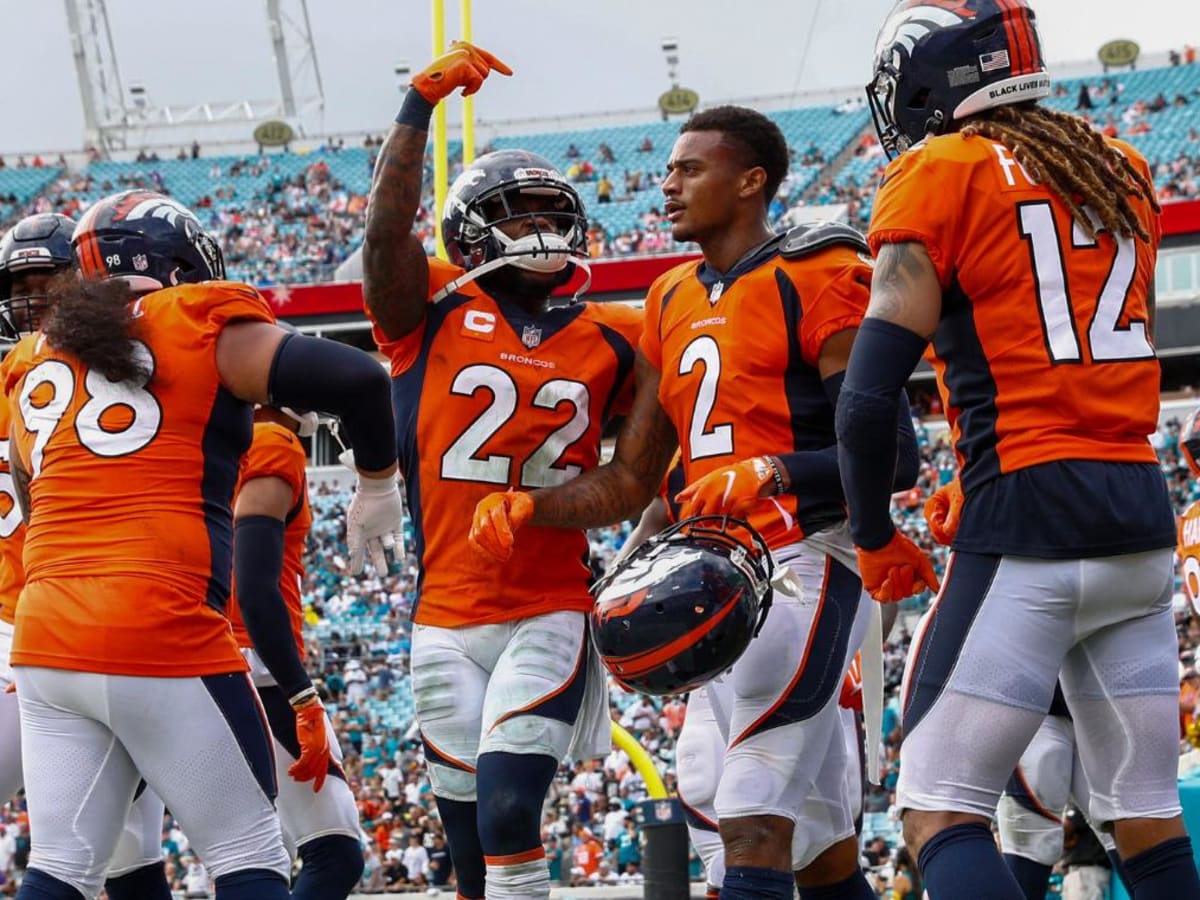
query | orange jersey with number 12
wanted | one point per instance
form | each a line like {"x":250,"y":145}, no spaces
{"x":128,"y":553}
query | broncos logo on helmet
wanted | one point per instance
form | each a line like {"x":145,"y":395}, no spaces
{"x":503,"y":187}
{"x":682,"y":608}
{"x":147,"y":239}
{"x":940,"y":61}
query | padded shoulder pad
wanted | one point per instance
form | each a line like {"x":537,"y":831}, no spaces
{"x":805,"y":239}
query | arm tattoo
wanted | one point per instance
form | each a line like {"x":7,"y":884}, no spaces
{"x":620,"y":489}
{"x":905,"y":288}
{"x":395,"y":270}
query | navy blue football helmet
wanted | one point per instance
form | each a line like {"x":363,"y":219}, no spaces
{"x":682,"y":608}
{"x":146,"y":239}
{"x":940,"y":61}
{"x":40,"y":243}
{"x":484,"y":197}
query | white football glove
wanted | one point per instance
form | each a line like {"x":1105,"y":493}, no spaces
{"x":373,"y":524}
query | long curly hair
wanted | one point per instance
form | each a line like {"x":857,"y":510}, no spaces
{"x":1072,"y":159}
{"x":91,"y":320}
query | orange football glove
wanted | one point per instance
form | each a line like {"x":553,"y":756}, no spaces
{"x":943,"y":511}
{"x":496,"y":520}
{"x":315,"y":755}
{"x":462,"y":66}
{"x":729,"y":490}
{"x":896,"y":571}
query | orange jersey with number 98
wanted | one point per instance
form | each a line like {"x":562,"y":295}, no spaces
{"x":128,"y":552}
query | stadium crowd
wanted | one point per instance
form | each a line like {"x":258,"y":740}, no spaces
{"x":297,"y":228}
{"x":359,"y":641}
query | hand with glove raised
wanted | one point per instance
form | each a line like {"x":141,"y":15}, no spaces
{"x":315,"y":753}
{"x":496,"y":521}
{"x":462,"y":66}
{"x":373,"y":523}
{"x":731,"y":490}
{"x":944,"y":510}
{"x":897,"y":570}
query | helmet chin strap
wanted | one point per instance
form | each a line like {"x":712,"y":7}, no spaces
{"x":520,"y":263}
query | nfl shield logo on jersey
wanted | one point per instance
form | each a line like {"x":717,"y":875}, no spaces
{"x":531,"y":336}
{"x":140,"y":262}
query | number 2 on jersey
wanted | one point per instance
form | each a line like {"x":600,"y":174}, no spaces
{"x":718,"y":440}
{"x":1107,"y":341}
{"x":54,"y":375}
{"x":461,"y":461}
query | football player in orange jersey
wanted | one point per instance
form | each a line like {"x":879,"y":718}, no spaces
{"x":1189,"y":522}
{"x":494,"y":388}
{"x":271,"y":519}
{"x":740,"y":365}
{"x":1049,"y":773}
{"x":32,"y":252}
{"x":1022,"y":244}
{"x":130,"y":409}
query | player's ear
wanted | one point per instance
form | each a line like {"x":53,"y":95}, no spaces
{"x":752,"y":182}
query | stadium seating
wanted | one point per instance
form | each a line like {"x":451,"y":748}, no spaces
{"x":293,"y":216}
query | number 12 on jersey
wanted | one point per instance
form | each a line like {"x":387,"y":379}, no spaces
{"x":1106,"y":339}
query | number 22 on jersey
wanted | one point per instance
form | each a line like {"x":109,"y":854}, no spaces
{"x":117,"y":419}
{"x":462,"y":460}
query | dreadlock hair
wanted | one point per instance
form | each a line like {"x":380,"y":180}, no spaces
{"x":759,"y":141}
{"x":1072,"y":159}
{"x":91,"y":321}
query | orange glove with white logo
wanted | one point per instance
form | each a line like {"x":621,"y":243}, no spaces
{"x":315,"y":754}
{"x":944,"y":510}
{"x":496,"y":520}
{"x":731,"y":490}
{"x":895,"y":571}
{"x":462,"y":66}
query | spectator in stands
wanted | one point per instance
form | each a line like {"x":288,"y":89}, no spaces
{"x":195,"y":149}
{"x":1173,"y":57}
{"x":573,"y":151}
{"x":1085,"y":98}
{"x":606,"y":153}
{"x":646,"y":146}
{"x":604,"y":189}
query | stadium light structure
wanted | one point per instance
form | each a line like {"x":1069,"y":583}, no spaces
{"x":670,"y":49}
{"x":116,"y":120}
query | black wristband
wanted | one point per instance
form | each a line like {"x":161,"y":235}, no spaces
{"x":415,"y":111}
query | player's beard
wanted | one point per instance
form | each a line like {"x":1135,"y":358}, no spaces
{"x":521,"y":286}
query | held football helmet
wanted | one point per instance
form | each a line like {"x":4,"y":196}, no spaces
{"x":1189,"y":442}
{"x":682,"y":607}
{"x":40,"y":243}
{"x":485,"y":196}
{"x":939,"y":61}
{"x":148,"y":240}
